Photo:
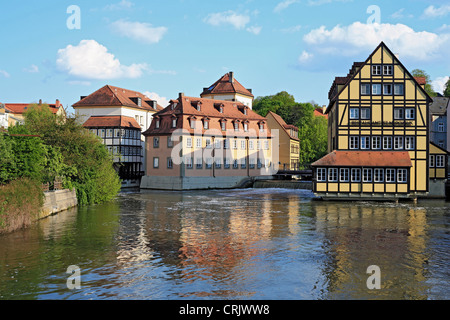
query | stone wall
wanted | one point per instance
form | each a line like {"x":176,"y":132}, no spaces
{"x":57,"y":201}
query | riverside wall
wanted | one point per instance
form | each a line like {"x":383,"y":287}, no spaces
{"x":57,"y":201}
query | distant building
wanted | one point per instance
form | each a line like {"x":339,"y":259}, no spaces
{"x":439,"y":126}
{"x":378,"y":133}
{"x":228,"y":88}
{"x":12,"y":113}
{"x":119,"y":116}
{"x":198,"y":143}
{"x":320,"y":112}
{"x":289,"y":144}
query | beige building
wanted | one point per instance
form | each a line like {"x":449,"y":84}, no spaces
{"x":12,"y":113}
{"x":198,"y":143}
{"x":289,"y":144}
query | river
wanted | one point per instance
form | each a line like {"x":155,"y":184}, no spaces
{"x":247,"y":244}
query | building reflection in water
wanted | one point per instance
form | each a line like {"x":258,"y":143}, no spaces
{"x":358,"y":235}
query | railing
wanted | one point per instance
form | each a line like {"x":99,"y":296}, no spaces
{"x":57,"y":185}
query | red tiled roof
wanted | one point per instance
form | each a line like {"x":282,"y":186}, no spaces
{"x":115,"y":96}
{"x":20,"y":108}
{"x":227,"y":84}
{"x":318,"y":112}
{"x":111,"y":121}
{"x":421,"y":80}
{"x":365,"y":159}
{"x":186,"y":107}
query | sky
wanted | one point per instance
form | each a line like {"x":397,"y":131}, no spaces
{"x":56,"y":49}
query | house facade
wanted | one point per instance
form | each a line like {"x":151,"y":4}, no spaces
{"x":227,"y":88}
{"x":378,"y":133}
{"x":119,"y":116}
{"x":13,"y":113}
{"x":198,"y":143}
{"x":439,"y":126}
{"x":289,"y":144}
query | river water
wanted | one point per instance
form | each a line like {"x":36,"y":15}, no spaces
{"x":231,"y":244}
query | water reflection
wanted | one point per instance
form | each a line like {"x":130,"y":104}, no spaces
{"x":235,"y":244}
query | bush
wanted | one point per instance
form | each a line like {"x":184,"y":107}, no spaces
{"x":20,"y":203}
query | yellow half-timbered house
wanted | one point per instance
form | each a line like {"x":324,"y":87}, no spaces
{"x":378,"y":136}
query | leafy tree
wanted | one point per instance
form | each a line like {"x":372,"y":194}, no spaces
{"x":7,"y":163}
{"x":447,"y":89}
{"x":428,"y":87}
{"x":87,"y":164}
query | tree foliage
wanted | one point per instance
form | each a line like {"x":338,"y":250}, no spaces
{"x":428,"y":87}
{"x":447,"y":89}
{"x":312,"y":129}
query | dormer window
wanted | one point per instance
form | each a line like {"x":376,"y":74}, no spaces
{"x":157,"y":123}
{"x":261,"y":127}
{"x":174,"y":122}
{"x":245,"y":110}
{"x":221,"y":109}
{"x":174,"y":105}
{"x":199,"y":107}
{"x":246,"y":126}
{"x":193,"y":121}
{"x":206,"y":124}
{"x":236,"y":125}
{"x":223,"y":125}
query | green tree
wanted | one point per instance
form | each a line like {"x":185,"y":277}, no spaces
{"x":447,"y":89}
{"x":428,"y":87}
{"x":7,"y":163}
{"x":87,"y":164}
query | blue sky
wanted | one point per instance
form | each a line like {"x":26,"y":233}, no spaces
{"x":162,"y":48}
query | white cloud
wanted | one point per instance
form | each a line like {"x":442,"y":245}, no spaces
{"x":162,"y":101}
{"x":401,"y":14}
{"x":292,"y":29}
{"x":439,"y":84}
{"x":359,"y":37}
{"x":238,"y":21}
{"x":139,"y":31}
{"x":32,"y":69}
{"x":432,"y":12}
{"x":254,"y":29}
{"x":91,"y":60}
{"x":284,"y":5}
{"x":124,"y":4}
{"x":305,"y":57}
{"x":4,"y":73}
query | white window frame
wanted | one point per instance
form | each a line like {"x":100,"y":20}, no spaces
{"x":410,"y":143}
{"x":402,"y":175}
{"x":399,"y":114}
{"x":390,"y":176}
{"x":367,"y":175}
{"x":376,"y":89}
{"x":387,"y":89}
{"x":388,"y":70}
{"x":354,"y":113}
{"x":397,"y":87}
{"x":378,"y":175}
{"x":355,"y":175}
{"x":333,"y":175}
{"x":432,"y":161}
{"x":440,"y":161}
{"x":344,"y":175}
{"x":376,"y":70}
{"x":410,"y":113}
{"x":353,"y":143}
{"x":365,"y":143}
{"x":321,"y":174}
{"x":365,"y":114}
{"x":387,"y":143}
{"x":398,"y":143}
{"x":376,"y":142}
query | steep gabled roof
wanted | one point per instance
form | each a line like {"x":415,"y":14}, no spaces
{"x":227,"y":84}
{"x":356,"y":68}
{"x":115,"y":96}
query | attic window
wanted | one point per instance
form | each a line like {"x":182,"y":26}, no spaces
{"x":199,"y":106}
{"x":221,"y":109}
{"x":245,"y":110}
{"x":210,"y":88}
{"x":174,"y":105}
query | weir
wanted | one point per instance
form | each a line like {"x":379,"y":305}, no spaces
{"x":286,"y":184}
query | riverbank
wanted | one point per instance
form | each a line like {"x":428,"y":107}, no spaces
{"x":286,"y":184}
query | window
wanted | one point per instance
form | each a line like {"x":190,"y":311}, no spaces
{"x":410,"y":143}
{"x":390,"y":175}
{"x":440,"y":161}
{"x":244,"y":163}
{"x":354,"y":142}
{"x":217,"y":144}
{"x":365,"y":142}
{"x":356,"y":175}
{"x":251,"y":144}
{"x":102,"y":133}
{"x":378,"y":175}
{"x":193,"y":123}
{"x":218,"y":162}
{"x":410,"y":113}
{"x":259,"y":164}
{"x":199,"y":163}
{"x":367,"y":175}
{"x":235,"y":164}
{"x":221,"y":109}
{"x":440,"y":127}
{"x":344,"y":175}
{"x":235,"y":144}
{"x":188,"y":162}
{"x":399,"y":113}
{"x":157,"y":123}
{"x":261,"y":127}
{"x":226,"y":143}
{"x":376,"y":143}
{"x":387,"y":70}
{"x":399,"y":89}
{"x":252,"y":163}
{"x":245,"y":127}
{"x":431,"y":161}
{"x":354,"y":113}
{"x":155,"y":142}
{"x":169,"y":142}
{"x":109,"y":133}
{"x":236,"y":126}
{"x":321,"y":173}
{"x":223,"y":125}
{"x":402,"y":175}
{"x":169,"y":163}
{"x":387,"y":89}
{"x":205,"y":124}
{"x":189,"y":142}
{"x":226,"y":163}
{"x":332,"y":174}
{"x":199,"y":107}
{"x":376,"y":89}
{"x":198,"y":143}
{"x":365,"y":113}
{"x":266,"y":144}
{"x":242,"y":144}
{"x":376,"y":70}
{"x":156,"y":163}
{"x":441,"y":143}
{"x":208,"y":163}
{"x":398,"y":143}
{"x":365,"y":89}
{"x":208,"y":143}
{"x":174,"y":123}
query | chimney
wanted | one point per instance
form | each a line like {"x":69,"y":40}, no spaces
{"x":181,"y":95}
{"x":40,"y":101}
{"x":231,"y":77}
{"x":324,"y":109}
{"x":57,"y":104}
{"x":154,"y":105}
